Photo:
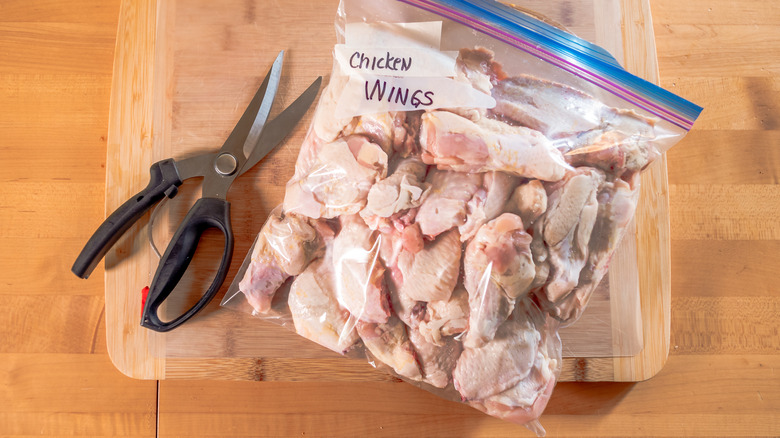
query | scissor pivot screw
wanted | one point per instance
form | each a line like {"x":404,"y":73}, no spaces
{"x":226,"y":164}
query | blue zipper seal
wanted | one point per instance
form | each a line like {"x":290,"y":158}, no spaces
{"x":566,"y":51}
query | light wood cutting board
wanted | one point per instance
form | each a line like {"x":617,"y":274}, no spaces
{"x":184,"y":70}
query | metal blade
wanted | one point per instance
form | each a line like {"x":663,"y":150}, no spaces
{"x":197,"y":165}
{"x":256,"y":113}
{"x":278,"y":128}
{"x":273,"y":78}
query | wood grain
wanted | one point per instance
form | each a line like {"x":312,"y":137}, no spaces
{"x":754,"y":102}
{"x":187,"y":116}
{"x":134,"y":78}
{"x":652,"y":214}
{"x":56,"y":378}
{"x":42,"y":330}
{"x":38,"y":48}
{"x":723,"y":13}
{"x":88,"y":12}
{"x":576,"y":409}
{"x":59,"y":394}
{"x":726,"y":325}
{"x":721,"y":377}
{"x":732,"y":157}
{"x":741,"y":47}
{"x":725,"y":212}
{"x":42,"y":202}
{"x":40,"y":265}
{"x":744,"y":268}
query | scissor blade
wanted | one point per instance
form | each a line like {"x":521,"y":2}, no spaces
{"x":278,"y":128}
{"x":273,"y":78}
{"x":254,"y":111}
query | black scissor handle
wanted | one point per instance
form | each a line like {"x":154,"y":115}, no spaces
{"x":206,"y":213}
{"x":164,"y":181}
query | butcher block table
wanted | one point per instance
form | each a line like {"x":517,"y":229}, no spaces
{"x":719,"y":309}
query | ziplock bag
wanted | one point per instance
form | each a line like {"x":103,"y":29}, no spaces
{"x":466,"y":178}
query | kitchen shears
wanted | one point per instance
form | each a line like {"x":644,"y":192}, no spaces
{"x":250,"y":141}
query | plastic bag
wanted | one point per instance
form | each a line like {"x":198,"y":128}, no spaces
{"x":466,"y":178}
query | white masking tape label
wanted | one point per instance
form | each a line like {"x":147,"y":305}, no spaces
{"x":399,"y":67}
{"x":426,"y":35}
{"x":369,"y":94}
{"x":411,"y":62}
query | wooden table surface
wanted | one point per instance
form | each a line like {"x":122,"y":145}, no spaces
{"x":56,"y":377}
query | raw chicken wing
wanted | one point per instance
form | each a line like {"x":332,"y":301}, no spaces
{"x":325,"y":124}
{"x":477,"y":68}
{"x":396,"y":241}
{"x":431,"y":273}
{"x":456,"y":143}
{"x":390,"y":344}
{"x":556,"y":110}
{"x":315,"y":310}
{"x":498,"y":268}
{"x":339,"y":179}
{"x":404,"y":189}
{"x":445,"y":206}
{"x":488,"y":202}
{"x":436,"y":360}
{"x":526,"y":401}
{"x":359,"y":274}
{"x":569,"y":117}
{"x":512,"y":376}
{"x":410,"y":311}
{"x":567,"y":228}
{"x":541,"y":256}
{"x":446,"y":318}
{"x":529,"y":201}
{"x":392,"y":131}
{"x":615,"y":153}
{"x":617,"y":202}
{"x":284,"y":247}
{"x":502,"y":362}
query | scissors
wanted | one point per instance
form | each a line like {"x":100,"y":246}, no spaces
{"x":247,"y":144}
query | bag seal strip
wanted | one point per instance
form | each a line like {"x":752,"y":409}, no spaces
{"x":566,"y":51}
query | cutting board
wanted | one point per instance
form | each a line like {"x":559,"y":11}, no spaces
{"x":184,"y":70}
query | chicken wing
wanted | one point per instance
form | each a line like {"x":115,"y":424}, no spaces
{"x":567,"y":228}
{"x":404,"y":189}
{"x":488,"y":202}
{"x":284,"y":247}
{"x":446,"y":204}
{"x":315,"y":310}
{"x":436,"y":360}
{"x":453,"y":142}
{"x":525,"y":402}
{"x":445,"y":317}
{"x":359,"y":274}
{"x":498,"y":268}
{"x":393,"y":131}
{"x":389,"y":343}
{"x":338,"y":180}
{"x":529,"y":201}
{"x":501,"y":363}
{"x":478,"y":68}
{"x":617,"y":201}
{"x":568,"y":116}
{"x":512,"y":376}
{"x":431,"y":273}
